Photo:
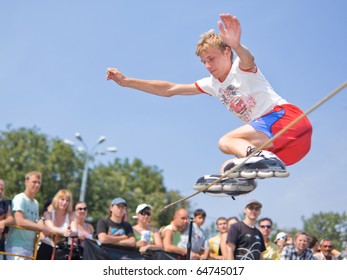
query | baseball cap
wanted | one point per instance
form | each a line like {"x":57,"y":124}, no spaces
{"x":140,"y":207}
{"x":281,"y":236}
{"x":253,"y":201}
{"x":118,"y":200}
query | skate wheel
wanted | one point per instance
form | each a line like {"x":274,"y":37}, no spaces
{"x":248,"y":174}
{"x":233,"y":175}
{"x":265,"y":174}
{"x":215,"y":188}
{"x":217,"y":194}
{"x":230,"y":188}
{"x":281,"y":174}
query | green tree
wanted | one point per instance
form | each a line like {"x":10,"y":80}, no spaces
{"x":136,"y":183}
{"x":330,"y":225}
{"x":23,"y":150}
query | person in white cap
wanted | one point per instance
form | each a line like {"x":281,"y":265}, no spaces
{"x":245,"y":241}
{"x":282,"y":239}
{"x":114,"y":230}
{"x":146,"y":236}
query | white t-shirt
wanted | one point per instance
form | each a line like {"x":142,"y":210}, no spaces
{"x":30,"y":209}
{"x":246,"y":94}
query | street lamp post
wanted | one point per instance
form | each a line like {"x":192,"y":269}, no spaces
{"x":89,"y":156}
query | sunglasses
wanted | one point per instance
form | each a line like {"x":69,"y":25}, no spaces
{"x":265,"y":226}
{"x":82,"y":209}
{"x":145,"y":213}
{"x":327,"y":246}
{"x":253,"y":208}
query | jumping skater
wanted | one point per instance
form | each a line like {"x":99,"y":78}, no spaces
{"x":242,"y":88}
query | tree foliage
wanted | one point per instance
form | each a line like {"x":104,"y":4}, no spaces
{"x":330,"y":225}
{"x":136,"y":183}
{"x":23,"y":150}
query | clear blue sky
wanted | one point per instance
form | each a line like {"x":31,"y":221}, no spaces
{"x":53,"y":60}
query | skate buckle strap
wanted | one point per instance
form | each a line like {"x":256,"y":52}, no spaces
{"x":251,"y":150}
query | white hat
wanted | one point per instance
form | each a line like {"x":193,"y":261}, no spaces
{"x":281,"y":236}
{"x":140,"y":207}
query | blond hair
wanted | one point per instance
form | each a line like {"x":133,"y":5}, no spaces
{"x":60,"y":194}
{"x":33,"y":173}
{"x":211,"y":40}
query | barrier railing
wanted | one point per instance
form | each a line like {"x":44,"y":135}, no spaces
{"x":33,"y":257}
{"x":95,"y":251}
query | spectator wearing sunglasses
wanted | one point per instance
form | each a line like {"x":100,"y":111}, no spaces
{"x":327,"y":251}
{"x":272,"y":250}
{"x":146,"y":236}
{"x":283,"y":239}
{"x":84,"y":229}
{"x":245,"y":241}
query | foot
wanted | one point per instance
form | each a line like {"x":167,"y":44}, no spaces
{"x":225,"y":187}
{"x":262,"y":165}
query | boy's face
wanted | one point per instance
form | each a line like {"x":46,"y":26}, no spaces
{"x":118,"y":210}
{"x":33,"y":184}
{"x":217,"y":62}
{"x":301,"y":242}
{"x":199,"y":220}
{"x":222,"y":225}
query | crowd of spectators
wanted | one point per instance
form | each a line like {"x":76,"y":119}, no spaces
{"x":249,"y":239}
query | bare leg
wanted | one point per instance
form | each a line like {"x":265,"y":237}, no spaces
{"x":237,"y":141}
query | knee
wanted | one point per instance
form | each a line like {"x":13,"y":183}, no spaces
{"x":224,"y":144}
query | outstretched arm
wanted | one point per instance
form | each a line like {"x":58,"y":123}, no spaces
{"x":161,"y":88}
{"x":230,"y":30}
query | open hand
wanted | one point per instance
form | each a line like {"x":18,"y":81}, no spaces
{"x":230,"y":30}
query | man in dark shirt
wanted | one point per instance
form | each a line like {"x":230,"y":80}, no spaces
{"x":245,"y":241}
{"x":114,"y":230}
{"x":6,"y":218}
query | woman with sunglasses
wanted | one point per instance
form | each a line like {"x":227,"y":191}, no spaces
{"x":84,"y":230}
{"x":146,"y":236}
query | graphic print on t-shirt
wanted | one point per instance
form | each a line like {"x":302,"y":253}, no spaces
{"x":116,"y":231}
{"x":239,"y":104}
{"x":253,"y":251}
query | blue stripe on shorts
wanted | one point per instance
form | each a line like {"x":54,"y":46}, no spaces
{"x":264,"y":123}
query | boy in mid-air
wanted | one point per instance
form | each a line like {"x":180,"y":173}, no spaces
{"x":242,"y":88}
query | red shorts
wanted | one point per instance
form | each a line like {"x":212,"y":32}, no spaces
{"x":293,"y":144}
